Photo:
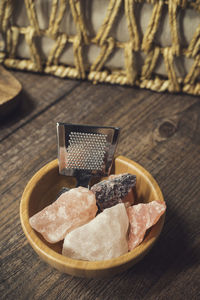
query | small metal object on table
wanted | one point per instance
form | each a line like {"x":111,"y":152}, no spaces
{"x":86,"y":151}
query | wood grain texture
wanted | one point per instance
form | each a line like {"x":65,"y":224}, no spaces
{"x":159,"y":131}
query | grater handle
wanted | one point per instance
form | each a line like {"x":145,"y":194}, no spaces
{"x":83,"y":178}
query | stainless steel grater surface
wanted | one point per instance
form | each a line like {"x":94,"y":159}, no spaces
{"x":85,"y":151}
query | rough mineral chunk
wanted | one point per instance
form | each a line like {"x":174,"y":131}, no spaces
{"x":141,"y":217}
{"x":103,"y":238}
{"x":114,"y":190}
{"x":72,"y":209}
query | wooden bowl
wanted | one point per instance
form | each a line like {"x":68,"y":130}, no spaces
{"x":42,"y":190}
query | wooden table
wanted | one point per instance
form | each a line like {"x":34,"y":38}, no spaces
{"x":159,"y":131}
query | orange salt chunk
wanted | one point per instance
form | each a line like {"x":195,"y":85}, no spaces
{"x":141,"y":217}
{"x":72,"y":209}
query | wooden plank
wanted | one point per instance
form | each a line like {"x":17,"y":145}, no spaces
{"x":161,"y":132}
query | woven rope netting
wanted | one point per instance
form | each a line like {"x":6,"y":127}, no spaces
{"x":97,"y":71}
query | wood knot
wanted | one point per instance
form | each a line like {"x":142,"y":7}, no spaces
{"x":167,"y":129}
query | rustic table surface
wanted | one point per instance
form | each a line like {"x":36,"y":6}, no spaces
{"x":159,"y":131}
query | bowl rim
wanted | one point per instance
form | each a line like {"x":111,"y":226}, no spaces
{"x":52,"y":256}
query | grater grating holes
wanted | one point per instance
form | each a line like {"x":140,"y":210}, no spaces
{"x":86,"y":151}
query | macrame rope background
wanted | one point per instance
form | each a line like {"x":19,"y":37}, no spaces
{"x":97,"y":72}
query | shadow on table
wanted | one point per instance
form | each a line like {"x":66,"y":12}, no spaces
{"x":17,"y":109}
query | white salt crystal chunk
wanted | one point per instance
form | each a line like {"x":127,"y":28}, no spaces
{"x":103,"y":238}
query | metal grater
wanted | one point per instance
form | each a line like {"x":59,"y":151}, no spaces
{"x":85,"y":151}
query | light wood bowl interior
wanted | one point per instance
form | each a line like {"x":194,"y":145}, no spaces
{"x":43,"y":189}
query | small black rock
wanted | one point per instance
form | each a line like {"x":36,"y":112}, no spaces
{"x":111,"y":192}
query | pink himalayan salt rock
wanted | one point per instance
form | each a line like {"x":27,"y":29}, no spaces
{"x":103,"y":238}
{"x":72,"y":209}
{"x":141,"y":217}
